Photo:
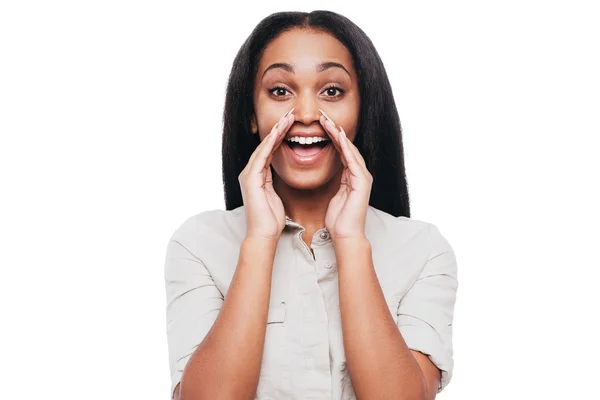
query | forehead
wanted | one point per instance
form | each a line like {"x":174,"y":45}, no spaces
{"x":304,"y":49}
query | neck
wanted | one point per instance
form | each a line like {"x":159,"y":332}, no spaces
{"x":307,"y":207}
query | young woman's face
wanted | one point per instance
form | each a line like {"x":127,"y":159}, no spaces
{"x":307,"y":85}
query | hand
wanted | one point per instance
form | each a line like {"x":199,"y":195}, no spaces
{"x":265,"y":215}
{"x":347,"y":212}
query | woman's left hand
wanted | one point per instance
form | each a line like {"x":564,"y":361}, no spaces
{"x":347,"y":211}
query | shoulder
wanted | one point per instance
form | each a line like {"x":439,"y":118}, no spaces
{"x":210,"y":223}
{"x":396,"y":231}
{"x":388,"y":221}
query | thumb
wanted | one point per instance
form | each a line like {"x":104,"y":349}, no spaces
{"x":268,"y":177}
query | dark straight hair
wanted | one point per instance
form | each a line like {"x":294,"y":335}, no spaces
{"x":378,"y":136}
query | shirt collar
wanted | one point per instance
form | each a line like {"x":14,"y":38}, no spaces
{"x":290,"y":223}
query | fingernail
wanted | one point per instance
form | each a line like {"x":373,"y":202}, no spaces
{"x":287,"y":113}
{"x":283,"y":117}
{"x":326,"y":116}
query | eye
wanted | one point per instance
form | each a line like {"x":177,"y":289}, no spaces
{"x":278,"y":89}
{"x":331,"y":90}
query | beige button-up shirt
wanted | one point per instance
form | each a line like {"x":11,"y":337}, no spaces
{"x":304,"y":354}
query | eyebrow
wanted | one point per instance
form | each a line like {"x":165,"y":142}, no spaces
{"x":320,"y":68}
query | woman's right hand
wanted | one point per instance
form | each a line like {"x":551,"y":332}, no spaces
{"x":265,"y":215}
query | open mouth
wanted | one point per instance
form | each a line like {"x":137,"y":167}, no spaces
{"x":307,"y":150}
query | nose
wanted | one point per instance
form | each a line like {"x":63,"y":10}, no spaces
{"x":307,"y":109}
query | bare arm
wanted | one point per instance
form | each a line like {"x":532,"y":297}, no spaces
{"x":226,"y":364}
{"x":388,"y":369}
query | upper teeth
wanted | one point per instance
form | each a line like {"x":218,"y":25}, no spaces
{"x":307,"y":140}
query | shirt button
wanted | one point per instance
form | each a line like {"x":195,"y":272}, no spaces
{"x":324,"y":235}
{"x":328,"y":266}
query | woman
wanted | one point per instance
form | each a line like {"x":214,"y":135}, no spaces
{"x":314,"y":283}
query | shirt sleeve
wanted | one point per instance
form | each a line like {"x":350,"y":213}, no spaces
{"x":426,"y":311}
{"x":193,"y":299}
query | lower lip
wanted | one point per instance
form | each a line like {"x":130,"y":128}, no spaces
{"x":309,"y":160}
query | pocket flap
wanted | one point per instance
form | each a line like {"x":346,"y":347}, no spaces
{"x":276,"y":314}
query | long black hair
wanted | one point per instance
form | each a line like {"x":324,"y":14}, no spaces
{"x":378,"y":136}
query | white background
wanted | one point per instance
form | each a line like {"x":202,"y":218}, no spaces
{"x":110,"y":122}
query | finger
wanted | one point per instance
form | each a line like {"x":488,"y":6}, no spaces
{"x":280,"y":137}
{"x":365,"y":171}
{"x":261,"y":144}
{"x":354,"y":149}
{"x":257,"y":151}
{"x":265,"y":142}
{"x":330,"y":129}
{"x":353,"y":164}
{"x":268,"y":177}
{"x":260,"y":161}
{"x":333,"y":134}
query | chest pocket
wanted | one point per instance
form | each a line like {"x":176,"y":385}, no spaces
{"x":274,"y":379}
{"x":275,"y":353}
{"x":276,"y":314}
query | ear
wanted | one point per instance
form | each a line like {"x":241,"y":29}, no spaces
{"x":253,"y":124}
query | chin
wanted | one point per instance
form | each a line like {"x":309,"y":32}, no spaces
{"x":305,"y":179}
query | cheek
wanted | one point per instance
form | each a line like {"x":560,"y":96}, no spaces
{"x":266,"y":123}
{"x":346,"y":115}
{"x":268,"y":113}
{"x":349,"y":123}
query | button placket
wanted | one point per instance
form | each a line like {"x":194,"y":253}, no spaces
{"x":322,"y":237}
